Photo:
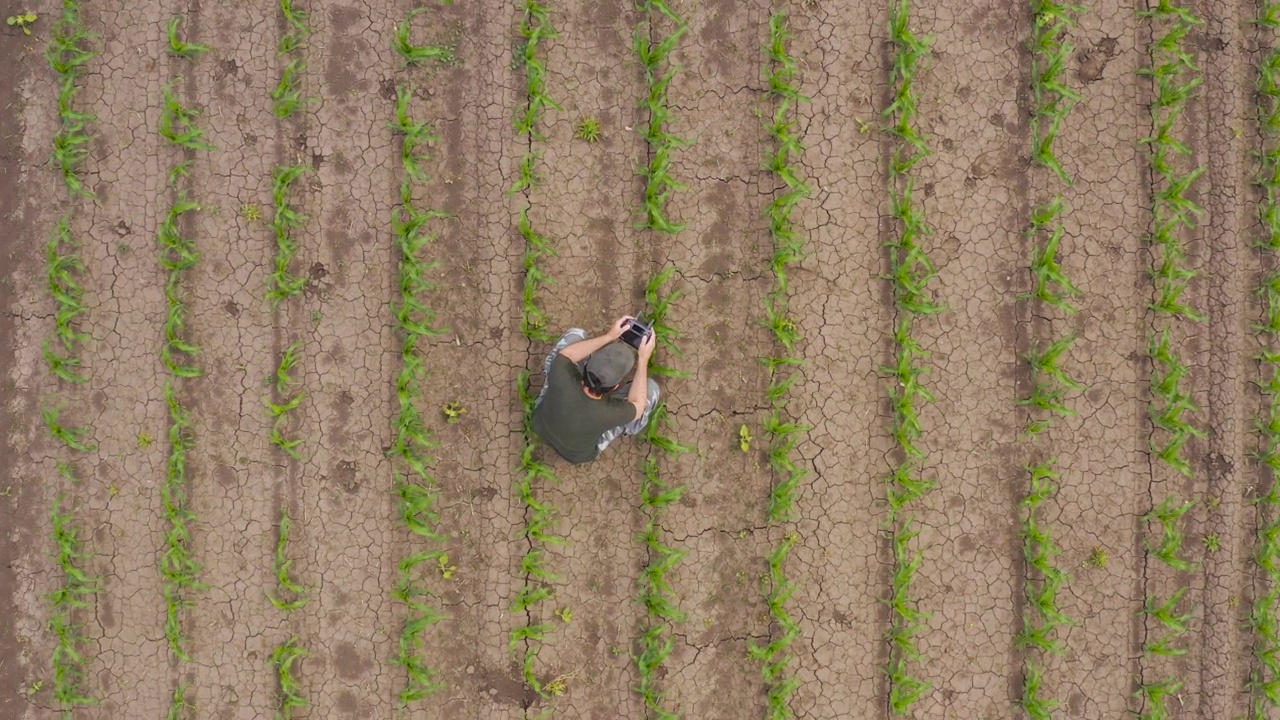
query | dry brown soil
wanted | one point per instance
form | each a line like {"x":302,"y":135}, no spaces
{"x":977,"y":190}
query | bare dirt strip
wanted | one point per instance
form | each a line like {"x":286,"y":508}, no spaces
{"x":977,"y":190}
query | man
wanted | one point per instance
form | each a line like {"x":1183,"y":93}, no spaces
{"x":584,"y":406}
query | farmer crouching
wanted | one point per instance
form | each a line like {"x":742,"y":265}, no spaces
{"x":584,"y":406}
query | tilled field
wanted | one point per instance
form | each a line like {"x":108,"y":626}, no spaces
{"x":971,"y":360}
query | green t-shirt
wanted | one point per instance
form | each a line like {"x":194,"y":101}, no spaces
{"x":569,"y":420}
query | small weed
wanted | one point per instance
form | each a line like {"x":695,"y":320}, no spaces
{"x":1212,"y":543}
{"x":123,"y":249}
{"x":565,"y":614}
{"x":145,"y":440}
{"x":446,"y":570}
{"x":22,"y":21}
{"x":316,"y":317}
{"x":588,"y":129}
{"x":559,"y":686}
{"x":744,"y":438}
{"x":1099,"y":557}
{"x":251,"y":212}
{"x":453,"y":412}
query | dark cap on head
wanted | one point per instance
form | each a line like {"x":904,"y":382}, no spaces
{"x":610,"y":364}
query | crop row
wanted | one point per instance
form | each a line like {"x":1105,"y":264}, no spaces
{"x":287,"y":97}
{"x":178,"y":254}
{"x":67,"y":53}
{"x":283,"y":283}
{"x":910,"y":270}
{"x":1175,"y":76}
{"x":659,"y":71}
{"x":526,"y":640}
{"x":1265,"y":680}
{"x":1050,"y":384}
{"x":1044,"y":581}
{"x":415,"y":485}
{"x":788,"y":248}
{"x":656,"y":595}
{"x":279,"y":411}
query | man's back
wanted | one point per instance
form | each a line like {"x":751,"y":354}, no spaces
{"x":569,"y":420}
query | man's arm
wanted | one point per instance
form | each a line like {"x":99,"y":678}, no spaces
{"x":639,"y":393}
{"x":579,"y":351}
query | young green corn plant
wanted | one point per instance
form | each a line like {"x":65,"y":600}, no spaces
{"x":775,"y":657}
{"x":413,"y":442}
{"x":287,"y":98}
{"x":1170,"y":404}
{"x":181,"y":48}
{"x":284,"y":284}
{"x":283,"y":659}
{"x":180,"y":705}
{"x":402,"y":43}
{"x":659,"y":71}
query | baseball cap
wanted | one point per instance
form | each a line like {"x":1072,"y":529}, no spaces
{"x":610,"y":364}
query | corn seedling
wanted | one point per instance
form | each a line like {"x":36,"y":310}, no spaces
{"x":659,"y":71}
{"x":1050,"y":383}
{"x":1172,"y":624}
{"x":402,"y":43}
{"x":287,"y":98}
{"x":180,"y":47}
{"x":283,"y":659}
{"x":412,"y":441}
{"x":910,"y":270}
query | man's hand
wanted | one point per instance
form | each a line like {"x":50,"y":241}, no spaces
{"x":645,"y":351}
{"x":620,"y":326}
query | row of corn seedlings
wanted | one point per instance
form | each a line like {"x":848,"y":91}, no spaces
{"x":178,"y":254}
{"x":526,"y":640}
{"x":1050,"y":383}
{"x":660,"y":601}
{"x":288,"y":596}
{"x":1044,"y":581}
{"x":910,"y":270}
{"x":415,"y":485}
{"x":67,"y":53}
{"x":1175,"y":77}
{"x":1265,"y":679}
{"x":287,"y":97}
{"x":535,"y":27}
{"x":279,"y":407}
{"x":788,"y":247}
{"x":659,"y":71}
{"x":283,"y":283}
